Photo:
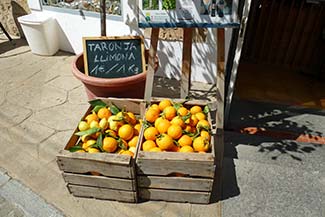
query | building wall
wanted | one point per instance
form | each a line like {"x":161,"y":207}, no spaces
{"x":73,"y":26}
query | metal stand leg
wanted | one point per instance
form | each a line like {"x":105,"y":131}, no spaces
{"x":5,"y":32}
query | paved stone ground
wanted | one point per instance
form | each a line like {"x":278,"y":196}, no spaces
{"x":41,"y":103}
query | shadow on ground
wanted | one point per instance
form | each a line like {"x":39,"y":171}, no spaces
{"x":11,"y":45}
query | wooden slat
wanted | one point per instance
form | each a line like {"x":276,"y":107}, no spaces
{"x":293,"y":38}
{"x":316,"y":28}
{"x":100,"y":181}
{"x":287,"y":33}
{"x":266,"y":32}
{"x":220,"y":83}
{"x":106,"y":164}
{"x":176,"y":156}
{"x":151,"y":63}
{"x":103,"y":193}
{"x":304,"y":36}
{"x":275,"y":36}
{"x":130,"y":105}
{"x":186,"y":62}
{"x":175,"y":183}
{"x":167,"y":167}
{"x":175,"y":196}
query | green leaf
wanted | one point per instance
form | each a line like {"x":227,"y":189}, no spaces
{"x":88,"y":132}
{"x":97,"y":102}
{"x":184,"y":118}
{"x":99,"y":142}
{"x":206,"y":109}
{"x":121,"y":144}
{"x":114,"y":109}
{"x":178,"y":105}
{"x":97,"y":107}
{"x":75,"y":148}
{"x":146,"y":124}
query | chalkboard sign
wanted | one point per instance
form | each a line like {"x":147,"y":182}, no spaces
{"x":113,"y":57}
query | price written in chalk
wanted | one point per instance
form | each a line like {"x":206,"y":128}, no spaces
{"x":116,"y":57}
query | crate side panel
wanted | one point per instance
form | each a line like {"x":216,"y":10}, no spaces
{"x":100,"y":181}
{"x":78,"y":165}
{"x":102,"y":193}
{"x":175,"y":196}
{"x":176,"y":183}
{"x":168,"y":167}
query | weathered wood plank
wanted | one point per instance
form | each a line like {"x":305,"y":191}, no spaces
{"x":220,"y":83}
{"x":80,"y":164}
{"x":131,"y":105}
{"x":103,"y":193}
{"x":176,"y":156}
{"x":175,"y":196}
{"x":175,"y":183}
{"x":151,"y":63}
{"x":186,"y":62}
{"x":100,"y":181}
{"x":167,"y":167}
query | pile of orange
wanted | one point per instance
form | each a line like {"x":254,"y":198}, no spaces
{"x":173,"y":127}
{"x":108,"y":129}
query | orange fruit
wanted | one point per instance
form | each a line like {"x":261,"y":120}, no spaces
{"x":163,"y":126}
{"x":182,"y":111}
{"x":124,"y":145}
{"x":81,"y":150}
{"x":186,"y":149}
{"x":192,"y":121}
{"x":86,"y":145}
{"x":151,"y":115}
{"x":133,"y":149}
{"x":126,"y":132}
{"x":103,"y":124}
{"x":175,"y":131}
{"x":109,"y":144}
{"x":165,"y":142}
{"x":133,"y":142}
{"x":164,"y":103}
{"x":127,"y":152}
{"x":83,"y":125}
{"x":185,"y":140}
{"x":178,"y":121}
{"x":201,"y":144}
{"x":158,"y":120}
{"x":195,"y":109}
{"x":203,"y":124}
{"x":91,"y":117}
{"x":175,"y":148}
{"x":111,"y":133}
{"x":155,"y":149}
{"x":132,"y":119}
{"x":147,"y":145}
{"x":104,"y":113}
{"x":169,"y":112}
{"x":200,"y":116}
{"x":93,"y":150}
{"x":155,"y":107}
{"x":94,"y":124}
{"x":137,"y":128}
{"x":150,"y":133}
{"x":205,"y":134}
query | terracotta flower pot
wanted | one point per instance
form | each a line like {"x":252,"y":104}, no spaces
{"x":126,"y":87}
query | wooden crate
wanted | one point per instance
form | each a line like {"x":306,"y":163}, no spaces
{"x":175,"y":176}
{"x":117,"y":180}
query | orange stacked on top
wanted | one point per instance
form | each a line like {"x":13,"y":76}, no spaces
{"x":173,"y":127}
{"x":108,"y":129}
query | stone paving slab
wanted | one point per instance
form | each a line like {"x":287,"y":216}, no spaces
{"x":17,"y":200}
{"x":272,"y":190}
{"x":285,"y":153}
